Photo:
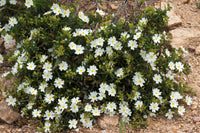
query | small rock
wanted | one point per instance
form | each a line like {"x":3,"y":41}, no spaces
{"x":2,"y":48}
{"x":108,"y":122}
{"x":197,"y":51}
{"x":196,"y":119}
{"x":114,"y":7}
{"x":186,"y":59}
{"x":7,"y":114}
{"x":184,"y":1}
{"x":174,"y":20}
{"x":191,"y":48}
{"x":10,"y":47}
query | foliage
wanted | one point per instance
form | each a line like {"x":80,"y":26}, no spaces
{"x":72,"y":67}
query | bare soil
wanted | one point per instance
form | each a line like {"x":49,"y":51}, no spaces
{"x":190,"y":16}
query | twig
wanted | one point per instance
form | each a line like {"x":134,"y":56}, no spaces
{"x":107,"y":8}
{"x":96,"y":2}
{"x":119,"y":8}
{"x":125,"y":9}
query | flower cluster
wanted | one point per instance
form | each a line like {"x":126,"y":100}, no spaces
{"x":71,"y":73}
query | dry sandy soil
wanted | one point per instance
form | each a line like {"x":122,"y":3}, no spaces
{"x":186,"y":34}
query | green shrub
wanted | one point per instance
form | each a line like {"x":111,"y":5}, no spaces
{"x":72,"y":67}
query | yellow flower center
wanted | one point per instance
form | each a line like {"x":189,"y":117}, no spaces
{"x":11,"y":100}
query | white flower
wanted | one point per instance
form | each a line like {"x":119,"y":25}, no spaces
{"x":65,"y":13}
{"x":93,"y":43}
{"x":125,"y":119}
{"x":132,"y":44}
{"x":156,"y":92}
{"x":96,"y":112}
{"x":138,"y":104}
{"x":66,"y":28}
{"x":181,"y":110}
{"x":170,"y":76}
{"x":74,"y":108}
{"x":49,"y":115}
{"x":59,"y":110}
{"x":156,"y":38}
{"x":42,"y":87}
{"x":188,"y":100}
{"x":137,"y":36}
{"x":36,"y":113}
{"x":103,"y":87}
{"x":62,"y":101}
{"x":171,"y":65}
{"x":109,"y":50}
{"x":118,"y":46}
{"x":85,"y":19}
{"x":47,"y":67}
{"x":2,"y":2}
{"x":32,"y":91}
{"x":143,"y":54}
{"x":99,"y":52}
{"x":80,"y":70}
{"x":100,"y":41}
{"x":143,"y":21}
{"x":1,"y":58}
{"x":72,"y":123}
{"x":75,"y":100}
{"x":167,"y":52}
{"x":12,"y":21}
{"x":93,"y":96}
{"x":49,"y":98}
{"x":111,"y":106}
{"x":8,"y":38}
{"x":157,"y":78}
{"x":154,"y":107}
{"x":176,"y":96}
{"x":111,"y":90}
{"x":151,"y":57}
{"x":173,"y":103}
{"x":47,"y":75}
{"x":179,"y":66}
{"x":169,"y":114}
{"x":92,"y":70}
{"x":119,"y":72}
{"x":43,"y":58}
{"x":125,"y":35}
{"x":87,"y":123}
{"x":31,"y":66}
{"x":136,"y":96}
{"x":63,"y":66}
{"x":72,"y":46}
{"x":88,"y":107}
{"x":47,"y":126}
{"x":29,"y":3}
{"x":138,"y":81}
{"x":102,"y":13}
{"x":101,"y":96}
{"x":79,"y":49}
{"x":112,"y":41}
{"x":7,"y":27}
{"x":30,"y":105}
{"x":11,"y":101}
{"x":59,"y":83}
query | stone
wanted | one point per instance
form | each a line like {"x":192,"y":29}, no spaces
{"x":2,"y":48}
{"x":196,"y":119}
{"x":7,"y":114}
{"x":114,"y":7}
{"x":184,"y":1}
{"x":10,"y":47}
{"x":181,"y":35}
{"x":174,"y":19}
{"x":197,"y":50}
{"x":107,"y":122}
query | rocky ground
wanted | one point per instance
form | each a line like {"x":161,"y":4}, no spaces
{"x":184,"y":28}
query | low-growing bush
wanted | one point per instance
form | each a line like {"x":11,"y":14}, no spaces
{"x":71,"y":67}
